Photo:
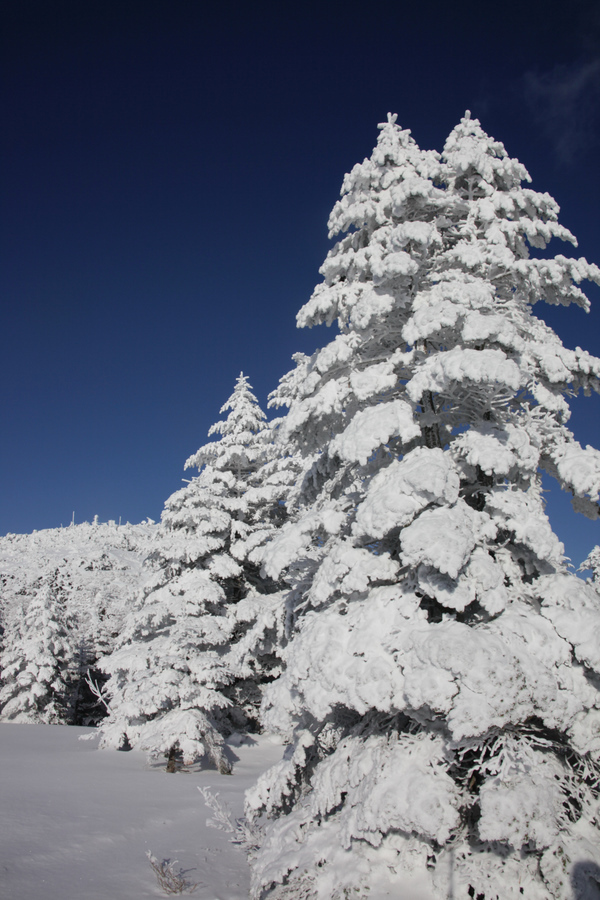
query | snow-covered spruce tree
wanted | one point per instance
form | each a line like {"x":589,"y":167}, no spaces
{"x":441,"y":693}
{"x":36,"y":660}
{"x":187,"y":670}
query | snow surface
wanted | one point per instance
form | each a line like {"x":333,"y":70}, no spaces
{"x":76,"y":822}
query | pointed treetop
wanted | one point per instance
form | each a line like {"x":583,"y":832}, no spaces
{"x":391,"y":120}
{"x":471,"y":152}
{"x":393,"y":186}
{"x":240,"y":445}
{"x":506,"y":220}
{"x":369,"y":191}
{"x":245,"y":415}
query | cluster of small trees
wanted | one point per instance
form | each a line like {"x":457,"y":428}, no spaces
{"x":64,"y":595}
{"x":373,"y":575}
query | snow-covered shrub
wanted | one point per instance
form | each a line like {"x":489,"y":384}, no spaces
{"x":441,"y":692}
{"x":204,"y":636}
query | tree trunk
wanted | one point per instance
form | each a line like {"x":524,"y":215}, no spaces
{"x":172,"y":759}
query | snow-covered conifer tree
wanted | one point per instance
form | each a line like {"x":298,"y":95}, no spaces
{"x":441,"y":693}
{"x":35,"y":661}
{"x":186,"y":670}
{"x":593,"y":562}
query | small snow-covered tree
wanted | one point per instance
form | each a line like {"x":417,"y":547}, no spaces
{"x":35,"y":661}
{"x":441,"y":693}
{"x":593,"y":562}
{"x":187,"y":668}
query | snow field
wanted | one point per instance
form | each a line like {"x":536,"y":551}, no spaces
{"x":76,"y":822}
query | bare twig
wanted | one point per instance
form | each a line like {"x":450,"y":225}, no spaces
{"x":170,"y":880}
{"x":242,"y":832}
{"x":96,"y":690}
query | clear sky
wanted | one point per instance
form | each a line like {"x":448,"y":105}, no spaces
{"x":168,"y":167}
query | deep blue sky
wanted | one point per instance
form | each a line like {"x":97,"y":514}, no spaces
{"x":168,"y":169}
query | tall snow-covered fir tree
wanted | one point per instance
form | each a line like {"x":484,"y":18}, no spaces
{"x":204,"y":634}
{"x":441,"y":692}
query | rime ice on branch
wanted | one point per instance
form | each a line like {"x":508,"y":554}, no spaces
{"x":593,"y":562}
{"x":441,"y":693}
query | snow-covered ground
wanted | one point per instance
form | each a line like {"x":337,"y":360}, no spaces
{"x":76,"y":822}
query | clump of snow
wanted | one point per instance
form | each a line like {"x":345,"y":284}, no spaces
{"x":400,"y":491}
